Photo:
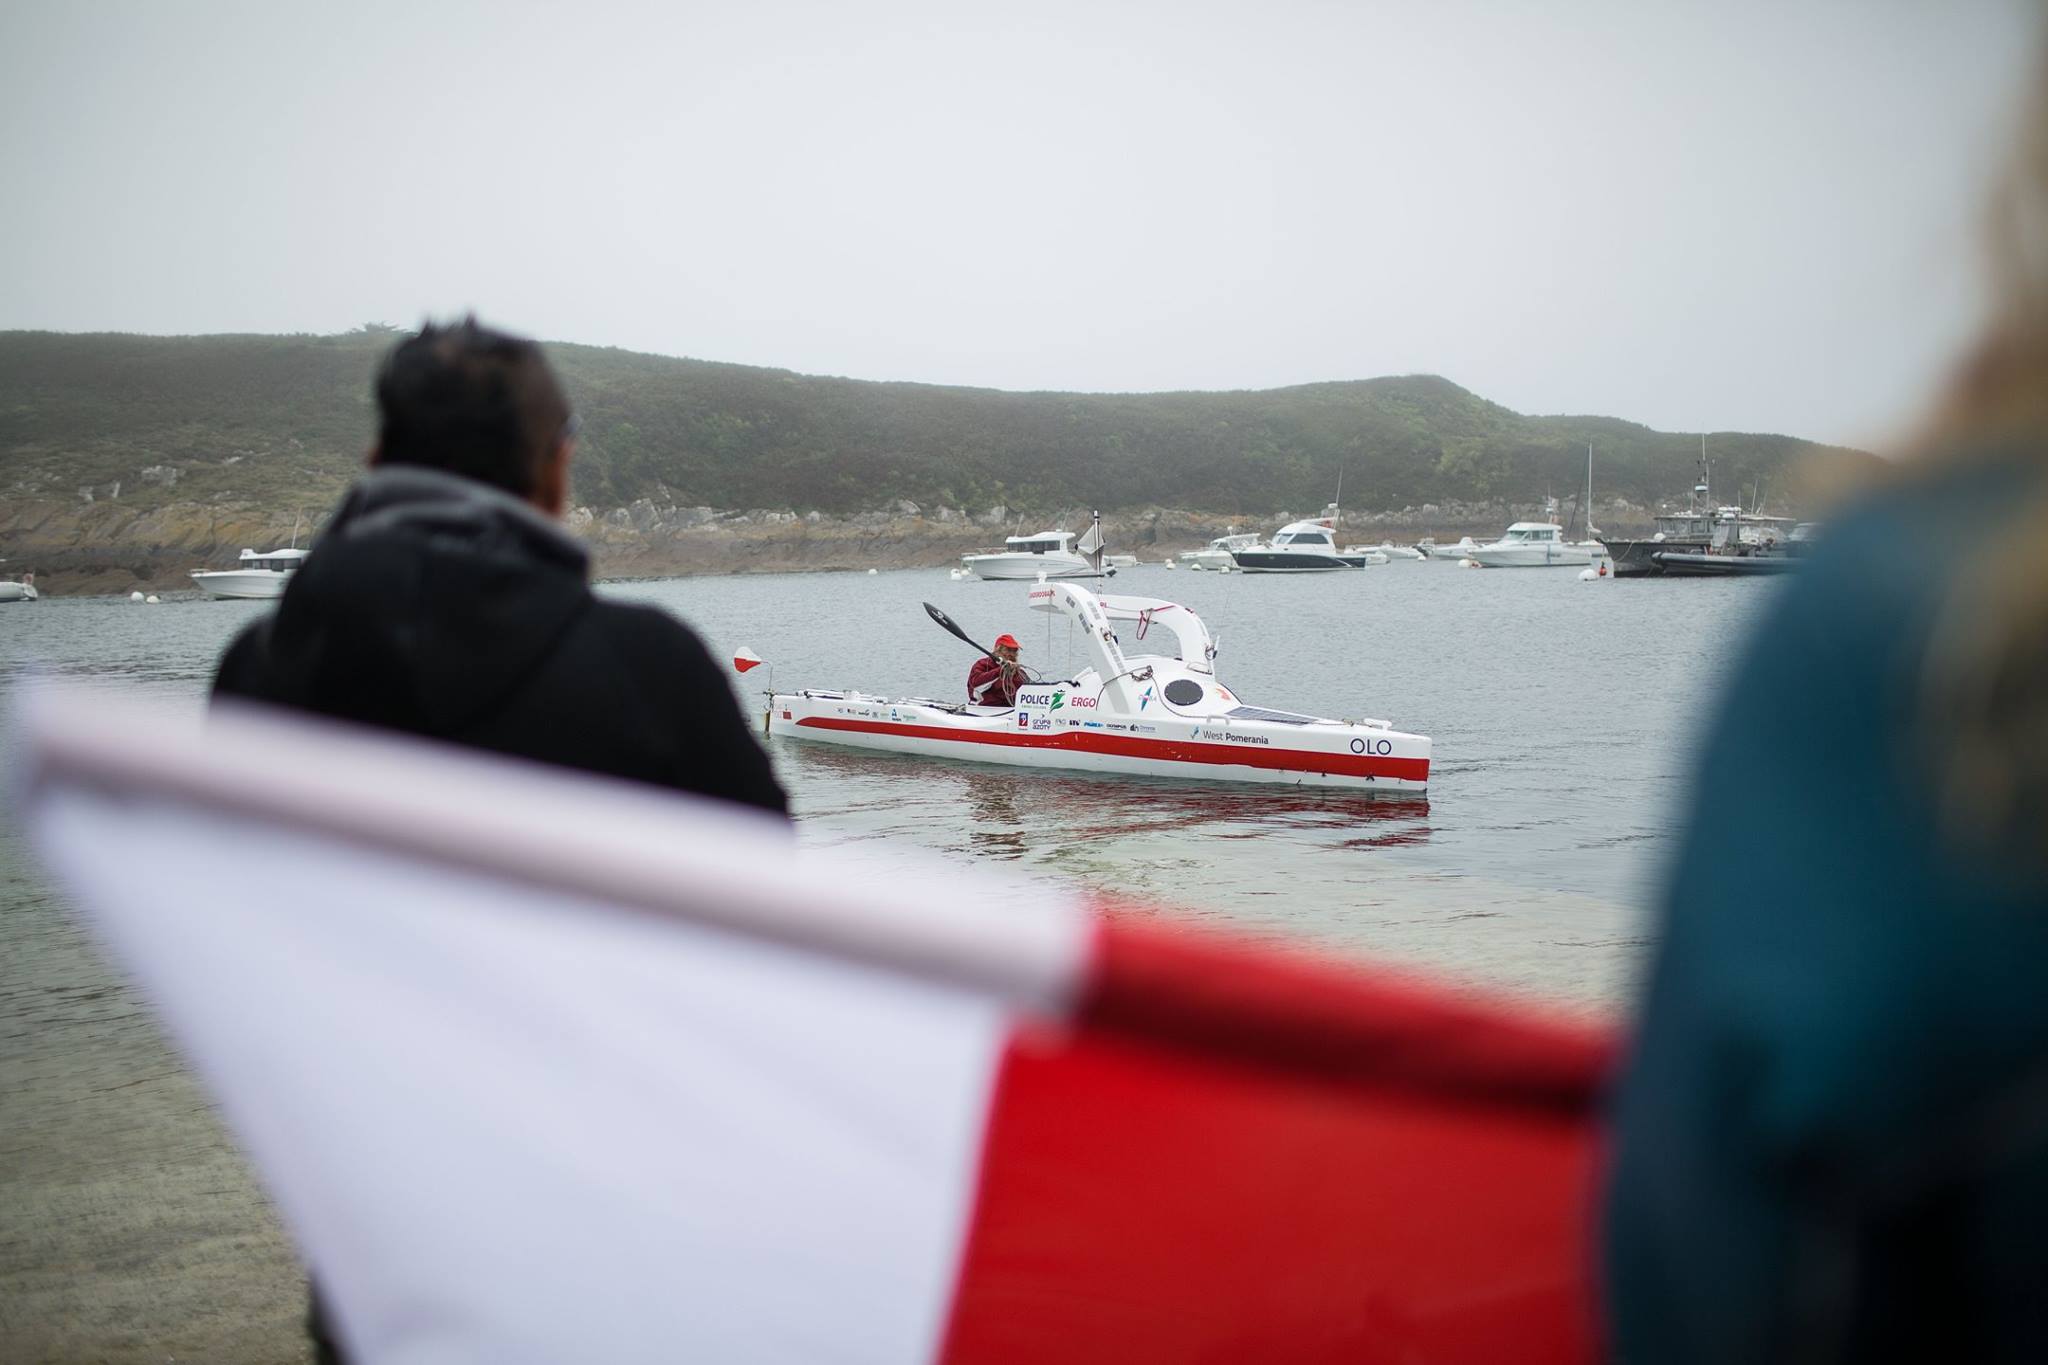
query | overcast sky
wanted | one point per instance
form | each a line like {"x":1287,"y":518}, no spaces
{"x":1732,"y":215}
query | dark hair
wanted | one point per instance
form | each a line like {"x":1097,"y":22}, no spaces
{"x":472,"y":401}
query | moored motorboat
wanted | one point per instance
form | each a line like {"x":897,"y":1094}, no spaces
{"x":1049,"y":554}
{"x":1024,"y":558}
{"x":1465,"y":546}
{"x":259,"y":575}
{"x":1152,"y":715}
{"x":1297,"y":547}
{"x":23,"y":590}
{"x":1534,"y":545}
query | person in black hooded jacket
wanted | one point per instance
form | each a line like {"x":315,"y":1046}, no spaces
{"x":444,"y":599}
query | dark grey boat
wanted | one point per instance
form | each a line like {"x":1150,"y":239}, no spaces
{"x":1706,"y":541}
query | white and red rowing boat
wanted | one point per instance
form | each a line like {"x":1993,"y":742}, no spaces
{"x":1151,"y":715}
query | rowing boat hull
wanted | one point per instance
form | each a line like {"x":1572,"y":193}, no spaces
{"x":1210,"y":748}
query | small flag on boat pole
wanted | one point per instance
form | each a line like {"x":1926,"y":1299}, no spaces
{"x":744,"y":659}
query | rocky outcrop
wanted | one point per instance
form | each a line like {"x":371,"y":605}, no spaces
{"x":100,"y":545}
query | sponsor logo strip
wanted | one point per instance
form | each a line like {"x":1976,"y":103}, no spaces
{"x":1168,"y":750}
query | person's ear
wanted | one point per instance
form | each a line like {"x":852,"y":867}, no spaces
{"x":551,"y":487}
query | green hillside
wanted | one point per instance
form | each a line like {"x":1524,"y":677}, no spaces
{"x":283,"y":420}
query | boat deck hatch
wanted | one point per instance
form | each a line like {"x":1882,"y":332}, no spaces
{"x":1260,"y":713}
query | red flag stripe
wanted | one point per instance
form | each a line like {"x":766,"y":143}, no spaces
{"x":1289,"y":1011}
{"x":1236,"y":1153}
{"x":1137,"y":1203}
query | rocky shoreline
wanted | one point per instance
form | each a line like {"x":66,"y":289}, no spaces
{"x":106,"y":546}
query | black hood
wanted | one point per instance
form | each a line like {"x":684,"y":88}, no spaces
{"x":426,"y":602}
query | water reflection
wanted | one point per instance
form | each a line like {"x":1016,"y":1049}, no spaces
{"x":1009,"y":813}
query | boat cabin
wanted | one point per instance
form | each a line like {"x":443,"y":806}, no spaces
{"x":277,"y":561}
{"x":1307,"y":534}
{"x":1045,"y":542}
{"x":1533,"y":533}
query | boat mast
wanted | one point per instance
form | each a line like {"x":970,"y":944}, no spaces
{"x":1591,"y":534}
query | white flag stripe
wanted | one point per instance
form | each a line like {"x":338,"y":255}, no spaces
{"x":614,"y":841}
{"x":510,"y":1126}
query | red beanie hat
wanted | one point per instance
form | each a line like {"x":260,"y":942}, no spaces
{"x":1007,"y":642}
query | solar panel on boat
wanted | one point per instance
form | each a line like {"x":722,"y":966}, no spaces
{"x":1261,"y":713}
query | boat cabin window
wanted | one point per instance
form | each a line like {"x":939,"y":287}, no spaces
{"x":1036,"y":546}
{"x":1303,"y":538}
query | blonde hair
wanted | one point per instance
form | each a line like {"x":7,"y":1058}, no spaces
{"x":1985,"y":692}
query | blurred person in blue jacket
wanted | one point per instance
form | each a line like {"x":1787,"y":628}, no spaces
{"x":1832,"y":1135}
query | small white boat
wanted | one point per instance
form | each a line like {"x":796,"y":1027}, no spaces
{"x":1051,"y":553}
{"x":1217,"y":554}
{"x":1121,"y":561}
{"x":22,"y":591}
{"x":1363,"y":555}
{"x":1458,"y":552}
{"x":1151,"y":715}
{"x":259,"y":576}
{"x":1393,"y":551}
{"x":1535,"y":545}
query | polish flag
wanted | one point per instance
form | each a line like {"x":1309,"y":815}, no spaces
{"x":542,"y":1067}
{"x":744,"y":659}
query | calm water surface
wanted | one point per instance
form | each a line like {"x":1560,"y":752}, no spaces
{"x":1565,"y":717}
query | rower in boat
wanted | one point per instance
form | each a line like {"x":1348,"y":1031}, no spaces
{"x":995,"y":678}
{"x":1161,"y":712}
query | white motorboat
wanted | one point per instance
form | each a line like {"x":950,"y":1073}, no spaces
{"x":258,"y":576}
{"x":1151,"y":715}
{"x":23,"y":590}
{"x":1465,"y":546}
{"x":1297,"y":547}
{"x":1393,"y":551}
{"x":1364,"y":555}
{"x":1051,"y":553}
{"x":1535,"y":545}
{"x":1217,"y":554}
{"x":1121,"y":561}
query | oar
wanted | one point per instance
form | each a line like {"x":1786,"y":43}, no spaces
{"x":947,"y":624}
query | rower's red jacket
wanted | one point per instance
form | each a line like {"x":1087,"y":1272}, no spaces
{"x":986,"y":685}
